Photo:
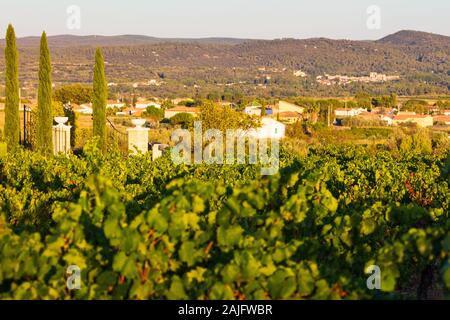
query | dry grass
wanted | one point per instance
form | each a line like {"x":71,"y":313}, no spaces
{"x":84,"y":121}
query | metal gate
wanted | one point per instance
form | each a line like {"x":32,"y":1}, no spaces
{"x":26,"y":135}
{"x":117,"y":137}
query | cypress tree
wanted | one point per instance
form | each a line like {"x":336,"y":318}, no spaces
{"x":263,"y":110}
{"x":12,"y":99}
{"x":44,"y":141}
{"x":99,"y":100}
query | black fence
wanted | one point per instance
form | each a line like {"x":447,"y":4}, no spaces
{"x":26,"y":134}
{"x":117,"y":137}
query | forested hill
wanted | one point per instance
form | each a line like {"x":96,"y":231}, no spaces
{"x":416,"y":38}
{"x":120,"y":40}
{"x":422,"y":60}
{"x":401,"y":38}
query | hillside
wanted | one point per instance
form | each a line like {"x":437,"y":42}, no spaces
{"x":111,"y":41}
{"x":260,"y":67}
{"x":415,"y":38}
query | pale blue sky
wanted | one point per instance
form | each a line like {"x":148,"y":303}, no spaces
{"x":263,"y":19}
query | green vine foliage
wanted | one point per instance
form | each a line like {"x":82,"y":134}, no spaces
{"x":139,"y":229}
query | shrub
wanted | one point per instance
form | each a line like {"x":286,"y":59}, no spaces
{"x":184,"y":119}
{"x":155,"y":113}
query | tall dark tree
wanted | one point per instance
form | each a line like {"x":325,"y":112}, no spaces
{"x":44,"y":143}
{"x":12,"y":99}
{"x":100,"y":94}
{"x":263,"y":110}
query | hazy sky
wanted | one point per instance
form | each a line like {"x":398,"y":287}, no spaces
{"x":265,"y":19}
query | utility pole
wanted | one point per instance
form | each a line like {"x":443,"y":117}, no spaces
{"x":24,"y":125}
{"x":329,"y":116}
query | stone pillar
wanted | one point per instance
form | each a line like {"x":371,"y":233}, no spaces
{"x":156,"y":151}
{"x":61,"y":136}
{"x":138,"y":137}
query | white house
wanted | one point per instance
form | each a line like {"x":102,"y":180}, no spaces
{"x":284,"y":106}
{"x":169,"y":113}
{"x":270,"y":129}
{"x":83,"y":109}
{"x":419,"y":119}
{"x":145,"y":104}
{"x":300,"y":73}
{"x":253,"y":110}
{"x":446,"y":112}
{"x":115,"y":104}
{"x":387,"y":119}
{"x":347,"y":112}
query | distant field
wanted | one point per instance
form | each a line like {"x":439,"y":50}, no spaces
{"x":84,"y":121}
{"x":430,"y":99}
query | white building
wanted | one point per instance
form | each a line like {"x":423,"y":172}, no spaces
{"x":347,"y":112}
{"x":153,"y":82}
{"x":284,"y":106}
{"x":387,"y":119}
{"x":115,"y":104}
{"x":253,"y":110}
{"x":300,"y":73}
{"x":169,"y":113}
{"x":144,"y":105}
{"x":83,"y":109}
{"x":270,"y":129}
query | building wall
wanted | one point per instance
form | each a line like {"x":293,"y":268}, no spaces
{"x":145,"y":105}
{"x":170,"y":113}
{"x":284,"y":106}
{"x":347,"y":113}
{"x":421,"y":122}
{"x":252,"y":111}
{"x":270,"y":129}
{"x":289,"y":119}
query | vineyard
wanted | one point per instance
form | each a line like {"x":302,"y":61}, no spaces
{"x":139,"y":229}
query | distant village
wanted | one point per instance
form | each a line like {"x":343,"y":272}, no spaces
{"x":373,"y":77}
{"x":278,"y":115}
{"x":274,"y":118}
{"x":396,"y":117}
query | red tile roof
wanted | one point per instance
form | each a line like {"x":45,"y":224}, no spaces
{"x":442,"y":118}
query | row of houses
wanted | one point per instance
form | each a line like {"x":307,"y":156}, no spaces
{"x":139,"y":107}
{"x":420,"y":119}
{"x":373,"y":77}
{"x":349,"y":112}
{"x":435,"y":110}
{"x":139,"y":104}
{"x":396,"y":119}
{"x":285,"y":111}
